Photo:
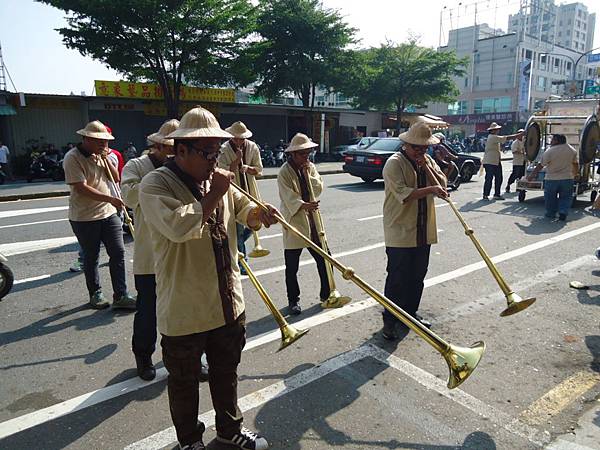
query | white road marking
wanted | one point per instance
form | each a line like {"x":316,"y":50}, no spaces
{"x":27,"y":280}
{"x":33,"y":223}
{"x":167,"y":437}
{"x":35,"y":418}
{"x":19,"y":248}
{"x":25,"y":212}
{"x":562,"y":444}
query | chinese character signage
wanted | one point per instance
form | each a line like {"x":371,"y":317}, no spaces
{"x":470,"y":119}
{"x":147,"y":91}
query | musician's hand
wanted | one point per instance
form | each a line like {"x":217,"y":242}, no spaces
{"x":268,"y":218}
{"x":310,"y":206}
{"x":420,"y":161}
{"x":244,"y":168}
{"x":221,"y":180}
{"x":439,"y":191}
{"x":238,"y":155}
{"x":104,"y":153}
{"x":117,"y":203}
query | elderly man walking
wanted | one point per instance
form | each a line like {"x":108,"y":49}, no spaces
{"x":242,"y":157}
{"x":191,"y":212}
{"x":518,"y":150}
{"x":560,"y":161}
{"x":143,"y":341}
{"x":93,"y":214}
{"x":491,"y":161}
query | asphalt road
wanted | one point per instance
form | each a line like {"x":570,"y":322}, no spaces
{"x":67,"y":371}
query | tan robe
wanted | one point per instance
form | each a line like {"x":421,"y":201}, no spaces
{"x":291,"y":200}
{"x":252,"y":159}
{"x":187,"y":287}
{"x":131,"y":177}
{"x":400,"y":215}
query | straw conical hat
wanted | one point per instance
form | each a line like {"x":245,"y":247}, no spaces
{"x":199,"y":123}
{"x":96,"y":130}
{"x":494,"y":126}
{"x":239,"y":130}
{"x":419,"y":134}
{"x":300,"y":142}
{"x":160,"y":137}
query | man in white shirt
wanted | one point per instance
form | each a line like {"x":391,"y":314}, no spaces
{"x":518,"y":150}
{"x":560,"y":161}
{"x":491,"y":161}
{"x":4,"y":152}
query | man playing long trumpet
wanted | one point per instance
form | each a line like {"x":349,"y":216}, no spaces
{"x":143,"y":341}
{"x":241,"y":156}
{"x":93,"y":214}
{"x":409,"y":223}
{"x":296,"y":207}
{"x":191,"y":212}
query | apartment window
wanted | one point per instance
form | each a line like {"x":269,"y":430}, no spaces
{"x":554,"y":88}
{"x":541,"y":84}
{"x":559,"y":33}
{"x":583,"y":36}
{"x":579,"y":24}
{"x":578,"y":13}
{"x":560,"y":23}
{"x":568,"y":32}
{"x":556,"y":68}
{"x":543,"y":62}
{"x":477,"y":58}
{"x":466,"y":82}
{"x":569,"y":22}
{"x":459,"y":107}
{"x":584,"y":26}
{"x":577,"y":34}
{"x":490,"y":105}
{"x":528,"y":54}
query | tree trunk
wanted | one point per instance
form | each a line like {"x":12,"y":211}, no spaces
{"x":399,"y":111}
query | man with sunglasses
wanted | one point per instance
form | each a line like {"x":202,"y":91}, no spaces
{"x":297,"y":208}
{"x":192,"y":211}
{"x":409,"y":224}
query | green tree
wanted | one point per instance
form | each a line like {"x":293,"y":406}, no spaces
{"x":299,"y":44}
{"x":161,"y":41}
{"x":392,"y":77}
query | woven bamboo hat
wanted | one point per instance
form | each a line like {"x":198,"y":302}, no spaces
{"x":160,"y":137}
{"x":199,"y":123}
{"x":239,"y":130}
{"x":494,"y":126}
{"x":300,"y":142}
{"x":419,"y":134}
{"x":96,"y":130}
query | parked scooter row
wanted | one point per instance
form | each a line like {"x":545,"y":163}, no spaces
{"x":273,"y":157}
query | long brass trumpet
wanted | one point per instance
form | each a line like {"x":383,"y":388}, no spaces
{"x":335,"y":299}
{"x":128,"y":220}
{"x":514,"y":302}
{"x":258,"y":251}
{"x":289,"y":334}
{"x":461,"y":361}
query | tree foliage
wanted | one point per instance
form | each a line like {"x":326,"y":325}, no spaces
{"x":162,"y":41}
{"x":300,"y":43}
{"x":391,"y":77}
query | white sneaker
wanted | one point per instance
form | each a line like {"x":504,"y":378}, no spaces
{"x":246,"y":440}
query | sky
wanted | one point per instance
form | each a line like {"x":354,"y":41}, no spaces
{"x":38,"y":62}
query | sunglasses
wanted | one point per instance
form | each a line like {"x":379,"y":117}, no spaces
{"x":209,"y":153}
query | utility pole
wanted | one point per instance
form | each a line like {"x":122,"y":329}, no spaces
{"x":2,"y":72}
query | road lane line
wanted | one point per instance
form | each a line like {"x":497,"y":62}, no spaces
{"x":19,"y":248}
{"x":559,"y":397}
{"x":38,"y":417}
{"x":258,"y":398}
{"x":28,"y":280}
{"x":33,"y":223}
{"x":25,"y":212}
{"x":459,"y":396}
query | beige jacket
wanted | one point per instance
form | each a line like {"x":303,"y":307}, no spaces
{"x":252,"y":159}
{"x":187,"y":288}
{"x":399,"y":215}
{"x":133,"y":172}
{"x":493,"y":152}
{"x":291,"y":200}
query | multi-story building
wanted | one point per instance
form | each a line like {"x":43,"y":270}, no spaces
{"x":509,"y":75}
{"x":570,"y":25}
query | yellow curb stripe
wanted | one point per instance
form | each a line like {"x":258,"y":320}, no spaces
{"x":558,"y":398}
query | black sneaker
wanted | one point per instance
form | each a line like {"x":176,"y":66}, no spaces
{"x":145,"y":368}
{"x":195,"y":446}
{"x":246,"y":440}
{"x":426,"y":323}
{"x":486,"y":198}
{"x":389,"y":331}
{"x":562,"y":217}
{"x":295,"y":308}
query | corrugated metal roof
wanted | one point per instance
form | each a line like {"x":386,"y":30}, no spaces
{"x":7,"y":110}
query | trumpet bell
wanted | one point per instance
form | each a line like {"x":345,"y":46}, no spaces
{"x":462,"y":361}
{"x":258,"y":252}
{"x":335,"y":300}
{"x":516,"y":304}
{"x":289,"y":335}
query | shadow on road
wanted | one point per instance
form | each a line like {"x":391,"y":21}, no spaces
{"x":593,"y":344}
{"x":88,"y":358}
{"x":584,"y":297}
{"x":359,"y":186}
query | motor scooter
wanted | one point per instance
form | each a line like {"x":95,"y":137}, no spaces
{"x":6,"y":277}
{"x":44,"y":166}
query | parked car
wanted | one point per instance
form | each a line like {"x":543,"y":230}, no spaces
{"x":368,"y":163}
{"x":338,"y":152}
